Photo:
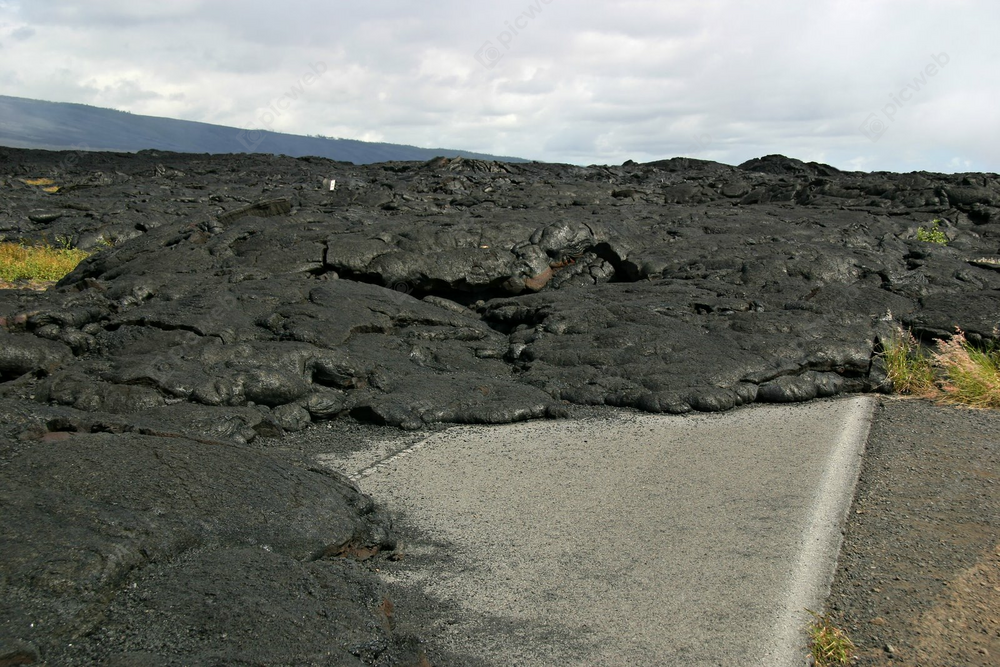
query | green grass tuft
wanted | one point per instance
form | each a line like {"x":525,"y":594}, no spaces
{"x":21,"y":262}
{"x":909,"y":368}
{"x":828,"y":645}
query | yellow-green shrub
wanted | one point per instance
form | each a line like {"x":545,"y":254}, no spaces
{"x":21,"y":262}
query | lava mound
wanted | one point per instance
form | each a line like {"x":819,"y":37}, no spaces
{"x":467,"y":291}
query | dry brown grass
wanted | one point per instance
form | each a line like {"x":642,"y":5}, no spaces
{"x":38,"y":181}
{"x":969,"y":375}
{"x":955,"y":371}
{"x":46,"y":184}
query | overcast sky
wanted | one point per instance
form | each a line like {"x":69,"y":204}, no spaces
{"x":874,"y":84}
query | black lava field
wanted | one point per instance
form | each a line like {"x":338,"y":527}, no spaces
{"x":239,"y":297}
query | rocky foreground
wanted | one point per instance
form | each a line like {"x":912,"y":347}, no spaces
{"x":236,"y":297}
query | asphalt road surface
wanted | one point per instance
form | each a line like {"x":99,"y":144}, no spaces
{"x":626,"y":539}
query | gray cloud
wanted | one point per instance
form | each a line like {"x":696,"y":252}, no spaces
{"x":635,"y":79}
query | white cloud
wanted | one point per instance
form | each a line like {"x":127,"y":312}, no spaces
{"x":601,"y":83}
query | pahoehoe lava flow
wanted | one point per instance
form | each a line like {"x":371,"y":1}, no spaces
{"x":237,"y":297}
{"x":397,"y":297}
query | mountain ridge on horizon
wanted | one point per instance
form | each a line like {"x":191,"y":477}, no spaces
{"x":40,"y":124}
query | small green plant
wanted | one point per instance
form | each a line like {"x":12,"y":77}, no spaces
{"x":971,"y":375}
{"x":829,"y":645}
{"x":44,"y":262}
{"x":932,"y":235}
{"x":908,"y":367}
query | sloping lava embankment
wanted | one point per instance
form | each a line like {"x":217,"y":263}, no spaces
{"x":240,"y":296}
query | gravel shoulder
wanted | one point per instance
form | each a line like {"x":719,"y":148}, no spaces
{"x":918,"y":578}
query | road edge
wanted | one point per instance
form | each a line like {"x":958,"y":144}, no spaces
{"x":822,"y":537}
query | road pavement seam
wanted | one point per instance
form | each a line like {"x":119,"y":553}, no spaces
{"x":392,"y":458}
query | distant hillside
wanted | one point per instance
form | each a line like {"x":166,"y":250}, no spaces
{"x":28,"y":123}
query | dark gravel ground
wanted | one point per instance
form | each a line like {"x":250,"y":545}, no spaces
{"x":918,"y":579}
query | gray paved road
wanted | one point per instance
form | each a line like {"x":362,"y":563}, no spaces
{"x":627,"y":540}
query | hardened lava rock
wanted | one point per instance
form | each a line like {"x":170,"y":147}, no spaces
{"x":234,"y":297}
